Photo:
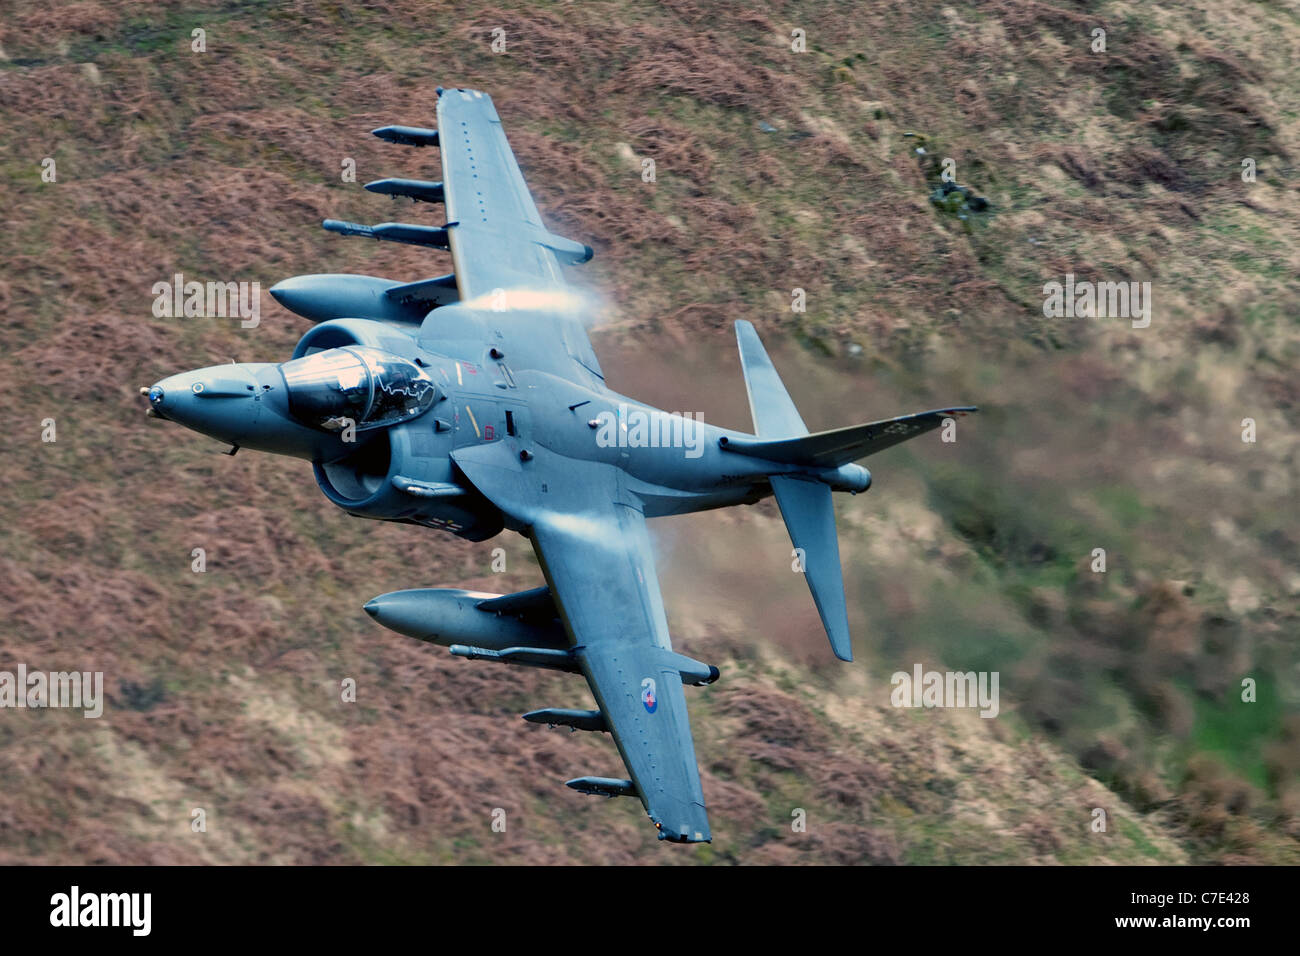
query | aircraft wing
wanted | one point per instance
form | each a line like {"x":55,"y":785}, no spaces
{"x":504,"y":258}
{"x":603,"y":579}
{"x":498,"y":240}
{"x":599,"y":566}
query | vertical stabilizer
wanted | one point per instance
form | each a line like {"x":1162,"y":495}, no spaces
{"x":769,"y":403}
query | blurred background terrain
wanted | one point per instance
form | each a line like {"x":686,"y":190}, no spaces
{"x":775,"y":170}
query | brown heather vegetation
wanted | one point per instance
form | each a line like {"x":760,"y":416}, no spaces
{"x":775,"y":171}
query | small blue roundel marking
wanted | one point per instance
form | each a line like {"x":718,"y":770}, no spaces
{"x":648,"y":695}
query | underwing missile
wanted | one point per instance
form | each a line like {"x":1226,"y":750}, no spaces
{"x":602,"y":786}
{"x":549,"y":658}
{"x":577,"y":719}
{"x":409,"y":233}
{"x":418,"y":189}
{"x":407,"y":135}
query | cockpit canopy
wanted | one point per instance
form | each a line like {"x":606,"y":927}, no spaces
{"x":364,"y":386}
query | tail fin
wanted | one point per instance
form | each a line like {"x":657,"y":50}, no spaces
{"x":810,"y":518}
{"x":805,"y":499}
{"x":769,"y":403}
{"x":805,"y":505}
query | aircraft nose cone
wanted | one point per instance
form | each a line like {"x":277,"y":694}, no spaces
{"x":216,"y":401}
{"x":372,"y":607}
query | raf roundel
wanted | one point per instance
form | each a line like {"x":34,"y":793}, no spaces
{"x":648,"y":695}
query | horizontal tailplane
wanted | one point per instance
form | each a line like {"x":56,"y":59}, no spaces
{"x":843,"y":445}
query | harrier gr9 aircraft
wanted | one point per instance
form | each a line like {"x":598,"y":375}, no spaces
{"x":472,"y":402}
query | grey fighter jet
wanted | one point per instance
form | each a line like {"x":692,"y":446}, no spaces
{"x":472,"y":402}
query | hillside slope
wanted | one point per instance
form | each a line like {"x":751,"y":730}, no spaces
{"x":775,"y":170}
